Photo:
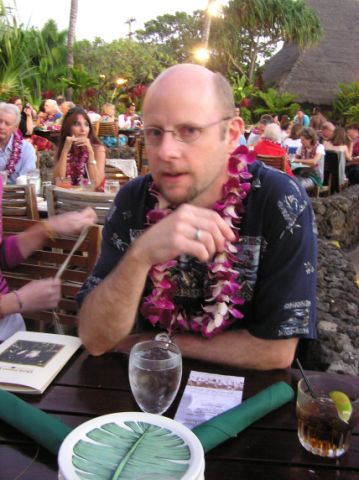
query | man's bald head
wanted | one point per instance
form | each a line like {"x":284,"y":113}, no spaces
{"x":188,"y":75}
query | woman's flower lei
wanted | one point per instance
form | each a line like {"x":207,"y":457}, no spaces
{"x":15,"y":153}
{"x":76,"y":163}
{"x":220,"y":307}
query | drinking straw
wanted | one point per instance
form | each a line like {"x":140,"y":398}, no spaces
{"x":58,"y":327}
{"x":81,"y":238}
{"x":306,"y":379}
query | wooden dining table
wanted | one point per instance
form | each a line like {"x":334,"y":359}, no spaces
{"x":91,"y":386}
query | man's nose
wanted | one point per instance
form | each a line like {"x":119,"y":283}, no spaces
{"x":169,"y":146}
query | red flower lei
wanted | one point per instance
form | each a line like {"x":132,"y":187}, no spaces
{"x":220,"y":307}
{"x":76,"y":163}
{"x":15,"y":153}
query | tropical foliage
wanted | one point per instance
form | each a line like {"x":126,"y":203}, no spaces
{"x":274,"y":102}
{"x":249,"y":31}
{"x":347,"y":102}
{"x":117,"y":452}
{"x":176,"y":36}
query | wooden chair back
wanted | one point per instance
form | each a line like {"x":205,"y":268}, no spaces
{"x":112,"y":173}
{"x":95,"y":127}
{"x":46,"y":262}
{"x":141,"y":156}
{"x":61,"y":200}
{"x":107,"y":129}
{"x":275,"y":162}
{"x":20,"y":201}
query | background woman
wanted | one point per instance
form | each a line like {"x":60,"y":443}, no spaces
{"x":80,"y":153}
{"x":310,"y":153}
{"x":292,"y":142}
{"x":28,"y":114}
{"x":340,"y":143}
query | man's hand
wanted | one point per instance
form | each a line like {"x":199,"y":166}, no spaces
{"x":40,"y":294}
{"x":191,"y":230}
{"x":72,"y":223}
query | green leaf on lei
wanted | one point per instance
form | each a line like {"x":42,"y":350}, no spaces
{"x":126,"y":453}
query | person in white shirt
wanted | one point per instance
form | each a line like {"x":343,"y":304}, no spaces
{"x":129,"y":119}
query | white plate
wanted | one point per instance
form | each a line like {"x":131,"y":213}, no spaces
{"x":195,"y":470}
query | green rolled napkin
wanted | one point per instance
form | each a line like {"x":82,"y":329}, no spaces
{"x":228,"y":424}
{"x":49,"y":432}
{"x":46,"y":430}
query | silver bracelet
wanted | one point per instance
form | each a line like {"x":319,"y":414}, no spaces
{"x":16,"y":293}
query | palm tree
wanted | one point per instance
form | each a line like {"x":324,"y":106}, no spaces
{"x":71,"y":40}
{"x":249,"y":31}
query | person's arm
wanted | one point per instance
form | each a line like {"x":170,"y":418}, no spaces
{"x":236,"y":348}
{"x":348,"y":152}
{"x":312,"y":162}
{"x":59,"y":170}
{"x":71,"y":223}
{"x":29,"y":121}
{"x":108,"y":312}
{"x":36,"y":295}
{"x":96,"y":170}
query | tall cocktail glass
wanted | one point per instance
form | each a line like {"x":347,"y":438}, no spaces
{"x":155,"y":371}
{"x":321,"y":430}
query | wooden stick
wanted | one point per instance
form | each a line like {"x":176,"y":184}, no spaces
{"x":81,"y":238}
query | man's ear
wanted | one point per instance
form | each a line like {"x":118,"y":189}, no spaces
{"x":234,"y":131}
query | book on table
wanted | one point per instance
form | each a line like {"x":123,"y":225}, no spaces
{"x":29,"y":361}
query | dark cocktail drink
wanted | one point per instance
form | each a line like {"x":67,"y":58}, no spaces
{"x":322,"y":429}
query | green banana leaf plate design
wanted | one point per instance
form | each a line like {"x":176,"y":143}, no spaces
{"x":130,"y":448}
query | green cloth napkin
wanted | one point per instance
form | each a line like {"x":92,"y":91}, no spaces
{"x":226,"y":425}
{"x":46,"y":430}
{"x":50,"y":432}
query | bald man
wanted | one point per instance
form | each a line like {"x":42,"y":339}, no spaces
{"x":218,"y":252}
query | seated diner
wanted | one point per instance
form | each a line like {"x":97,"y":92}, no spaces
{"x":80,"y":154}
{"x":311,"y":156}
{"x":270,"y":144}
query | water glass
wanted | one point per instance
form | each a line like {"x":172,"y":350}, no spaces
{"x":320,"y":429}
{"x":155,"y":371}
{"x":87,"y":185}
{"x":112,"y":186}
{"x":33,"y":178}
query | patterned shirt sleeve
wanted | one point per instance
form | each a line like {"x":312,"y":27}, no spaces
{"x":283,"y":303}
{"x":124,"y":222}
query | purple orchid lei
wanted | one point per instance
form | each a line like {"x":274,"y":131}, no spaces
{"x":15,"y":153}
{"x":76,"y":163}
{"x":220,"y":307}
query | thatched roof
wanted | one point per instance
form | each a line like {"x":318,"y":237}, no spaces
{"x":313,"y":74}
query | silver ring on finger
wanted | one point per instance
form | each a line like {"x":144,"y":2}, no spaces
{"x":198,"y":234}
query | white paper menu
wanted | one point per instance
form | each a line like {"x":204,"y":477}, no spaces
{"x":207,"y":395}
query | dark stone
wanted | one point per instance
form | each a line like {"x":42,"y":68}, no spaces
{"x":337,"y":292}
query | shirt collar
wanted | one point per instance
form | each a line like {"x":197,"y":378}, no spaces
{"x":8,"y":146}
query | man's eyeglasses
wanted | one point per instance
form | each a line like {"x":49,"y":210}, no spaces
{"x":183,"y":133}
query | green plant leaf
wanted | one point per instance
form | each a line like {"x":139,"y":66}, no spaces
{"x":125,"y":453}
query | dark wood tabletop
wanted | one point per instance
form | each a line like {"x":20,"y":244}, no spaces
{"x":89,"y":386}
